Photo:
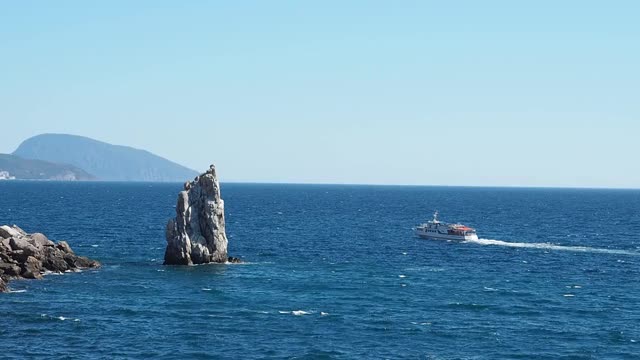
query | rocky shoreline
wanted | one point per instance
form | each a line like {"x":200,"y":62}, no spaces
{"x":29,"y":256}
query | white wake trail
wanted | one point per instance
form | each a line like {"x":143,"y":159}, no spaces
{"x":548,"y":246}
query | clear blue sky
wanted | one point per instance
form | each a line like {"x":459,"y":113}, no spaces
{"x":536,"y":93}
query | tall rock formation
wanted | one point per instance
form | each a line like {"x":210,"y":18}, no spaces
{"x":197,"y":234}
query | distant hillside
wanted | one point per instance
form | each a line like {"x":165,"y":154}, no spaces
{"x":105,"y":161}
{"x":12,"y":166}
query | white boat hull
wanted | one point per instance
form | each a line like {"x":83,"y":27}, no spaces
{"x":438,"y":236}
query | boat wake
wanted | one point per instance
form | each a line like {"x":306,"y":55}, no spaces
{"x":548,"y":246}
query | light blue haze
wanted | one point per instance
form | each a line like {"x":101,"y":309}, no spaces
{"x":540,"y":93}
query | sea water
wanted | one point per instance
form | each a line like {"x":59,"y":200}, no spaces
{"x":332,"y":272}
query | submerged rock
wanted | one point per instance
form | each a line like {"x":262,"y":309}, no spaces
{"x":197,"y":234}
{"x":28,"y":256}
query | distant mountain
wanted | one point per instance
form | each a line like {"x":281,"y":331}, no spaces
{"x":105,"y":161}
{"x":14,"y":167}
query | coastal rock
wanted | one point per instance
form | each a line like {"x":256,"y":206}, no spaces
{"x":31,"y":268}
{"x":39,"y":240}
{"x":7,"y":232}
{"x":64,"y":246}
{"x":54,"y":260}
{"x":19,"y":230}
{"x":9,"y":269}
{"x":5,"y":245}
{"x":23,"y":245}
{"x":27,"y":256}
{"x":197,"y":234}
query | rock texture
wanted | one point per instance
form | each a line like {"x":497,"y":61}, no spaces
{"x":197,"y":234}
{"x":28,"y":256}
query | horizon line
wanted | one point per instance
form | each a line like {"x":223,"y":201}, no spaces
{"x":335,"y":184}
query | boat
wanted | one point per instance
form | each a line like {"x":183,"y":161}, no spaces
{"x":435,"y":229}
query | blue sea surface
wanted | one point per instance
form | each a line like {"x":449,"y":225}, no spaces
{"x":332,"y":272}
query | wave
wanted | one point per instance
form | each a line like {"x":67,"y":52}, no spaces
{"x":549,"y":246}
{"x":425,"y":268}
{"x":61,"y":318}
{"x":56,"y":273}
{"x":296,"y":312}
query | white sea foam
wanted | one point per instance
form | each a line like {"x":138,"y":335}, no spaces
{"x":47,"y":273}
{"x":549,"y":246}
{"x":16,"y":291}
{"x":245,"y":263}
{"x":295,"y":312}
{"x":94,"y":245}
{"x":322,"y":313}
{"x":61,"y":318}
{"x":206,"y":289}
{"x":402,"y":276}
{"x":568,"y":295}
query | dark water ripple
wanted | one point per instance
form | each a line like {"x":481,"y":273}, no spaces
{"x":333,"y":272}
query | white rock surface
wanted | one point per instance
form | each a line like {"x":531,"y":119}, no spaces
{"x":7,"y":232}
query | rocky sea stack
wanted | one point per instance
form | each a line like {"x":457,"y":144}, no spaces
{"x":29,"y":256}
{"x":197,"y":234}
